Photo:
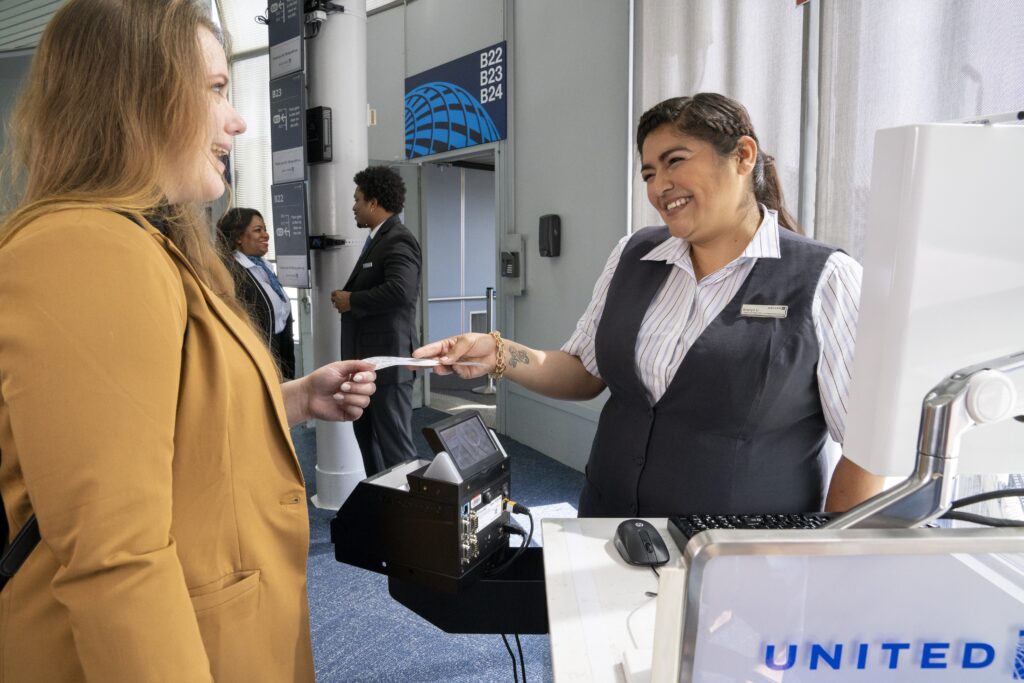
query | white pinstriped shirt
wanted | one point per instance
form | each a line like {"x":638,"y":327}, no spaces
{"x":684,"y":308}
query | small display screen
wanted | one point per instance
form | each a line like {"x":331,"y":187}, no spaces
{"x":466,"y":440}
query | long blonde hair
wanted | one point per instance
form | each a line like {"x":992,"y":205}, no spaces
{"x":116,"y":96}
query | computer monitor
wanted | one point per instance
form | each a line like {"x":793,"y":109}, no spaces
{"x":467,"y":441}
{"x":943,"y":287}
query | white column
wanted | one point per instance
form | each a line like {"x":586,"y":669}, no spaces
{"x":336,"y":68}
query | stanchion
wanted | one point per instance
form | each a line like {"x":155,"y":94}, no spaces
{"x":488,"y":389}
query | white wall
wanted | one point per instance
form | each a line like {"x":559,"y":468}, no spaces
{"x":571,"y":104}
{"x":569,"y":139}
{"x":385,"y":83}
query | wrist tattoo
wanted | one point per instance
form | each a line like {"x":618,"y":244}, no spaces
{"x":517,"y":356}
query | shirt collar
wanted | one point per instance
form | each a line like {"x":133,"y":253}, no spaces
{"x":244,"y":260}
{"x":375,"y":229}
{"x":764,"y":244}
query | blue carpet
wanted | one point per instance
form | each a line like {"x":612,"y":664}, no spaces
{"x":361,"y":635}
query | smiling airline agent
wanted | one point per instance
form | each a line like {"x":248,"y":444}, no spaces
{"x":142,"y":420}
{"x":724,"y":337}
{"x":244,"y":242}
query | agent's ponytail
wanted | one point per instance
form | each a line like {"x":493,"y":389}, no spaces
{"x":768,"y":189}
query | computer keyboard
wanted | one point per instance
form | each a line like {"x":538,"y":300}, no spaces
{"x":683,"y":527}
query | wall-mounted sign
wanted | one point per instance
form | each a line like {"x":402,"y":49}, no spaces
{"x":287,"y":128}
{"x":459,"y":104}
{"x":290,"y":243}
{"x":284,"y":21}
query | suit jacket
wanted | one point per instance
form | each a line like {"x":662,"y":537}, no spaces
{"x":141,"y":420}
{"x":384,"y":284}
{"x":261,"y":310}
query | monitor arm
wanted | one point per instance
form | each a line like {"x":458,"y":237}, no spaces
{"x":975,"y":395}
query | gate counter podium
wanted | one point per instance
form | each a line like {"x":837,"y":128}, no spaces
{"x":873,"y":596}
{"x":821,"y":605}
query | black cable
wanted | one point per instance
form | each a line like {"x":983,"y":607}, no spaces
{"x":529,"y":536}
{"x":988,"y":495}
{"x":515,"y":672}
{"x":521,"y":509}
{"x":981,"y":519}
{"x":514,"y":530}
{"x":522,"y":662}
{"x":652,"y":594}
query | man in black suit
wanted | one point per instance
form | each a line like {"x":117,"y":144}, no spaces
{"x":378,"y":316}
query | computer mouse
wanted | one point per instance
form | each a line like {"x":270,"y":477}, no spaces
{"x":640,"y":543}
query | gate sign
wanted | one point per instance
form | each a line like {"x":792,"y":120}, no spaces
{"x":459,"y":104}
{"x":284,"y":23}
{"x":288,"y":128}
{"x":289,"y":207}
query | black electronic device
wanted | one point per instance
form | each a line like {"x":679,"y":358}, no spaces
{"x":684,"y":527}
{"x":550,"y":237}
{"x":510,"y":264}
{"x":440,"y":532}
{"x":318,"y":135}
{"x":640,"y":543}
{"x":467,"y":440}
{"x":434,"y":523}
{"x":324,"y":242}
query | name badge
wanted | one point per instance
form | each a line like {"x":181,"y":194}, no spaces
{"x":764,"y":311}
{"x":368,"y":265}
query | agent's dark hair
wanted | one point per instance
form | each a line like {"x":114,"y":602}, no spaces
{"x":231,"y":226}
{"x":383,"y":184}
{"x":720,"y":121}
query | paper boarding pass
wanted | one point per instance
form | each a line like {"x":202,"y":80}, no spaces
{"x":388,"y":361}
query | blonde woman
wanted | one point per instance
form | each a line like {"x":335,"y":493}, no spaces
{"x":141,"y":419}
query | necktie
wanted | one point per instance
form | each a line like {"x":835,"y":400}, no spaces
{"x":366,"y":246}
{"x":270,"y":275}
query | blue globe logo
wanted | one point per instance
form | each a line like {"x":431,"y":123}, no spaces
{"x":442,"y":116}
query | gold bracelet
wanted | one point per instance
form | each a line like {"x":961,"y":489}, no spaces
{"x":499,"y":354}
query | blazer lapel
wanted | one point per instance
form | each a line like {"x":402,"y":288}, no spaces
{"x":241,"y":331}
{"x":374,"y":243}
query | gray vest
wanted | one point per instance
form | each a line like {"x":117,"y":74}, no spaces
{"x":740,"y":426}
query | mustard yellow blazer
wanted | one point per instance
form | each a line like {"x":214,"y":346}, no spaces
{"x":142,"y":422}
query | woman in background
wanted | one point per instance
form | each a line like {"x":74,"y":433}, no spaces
{"x":724,"y":337}
{"x":244,"y":242}
{"x":142,"y":420}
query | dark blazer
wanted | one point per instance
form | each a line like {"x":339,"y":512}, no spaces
{"x":261,"y":309}
{"x":385,"y":284}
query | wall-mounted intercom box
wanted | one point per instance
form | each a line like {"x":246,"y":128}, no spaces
{"x":550,"y":235}
{"x":318,"y":135}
